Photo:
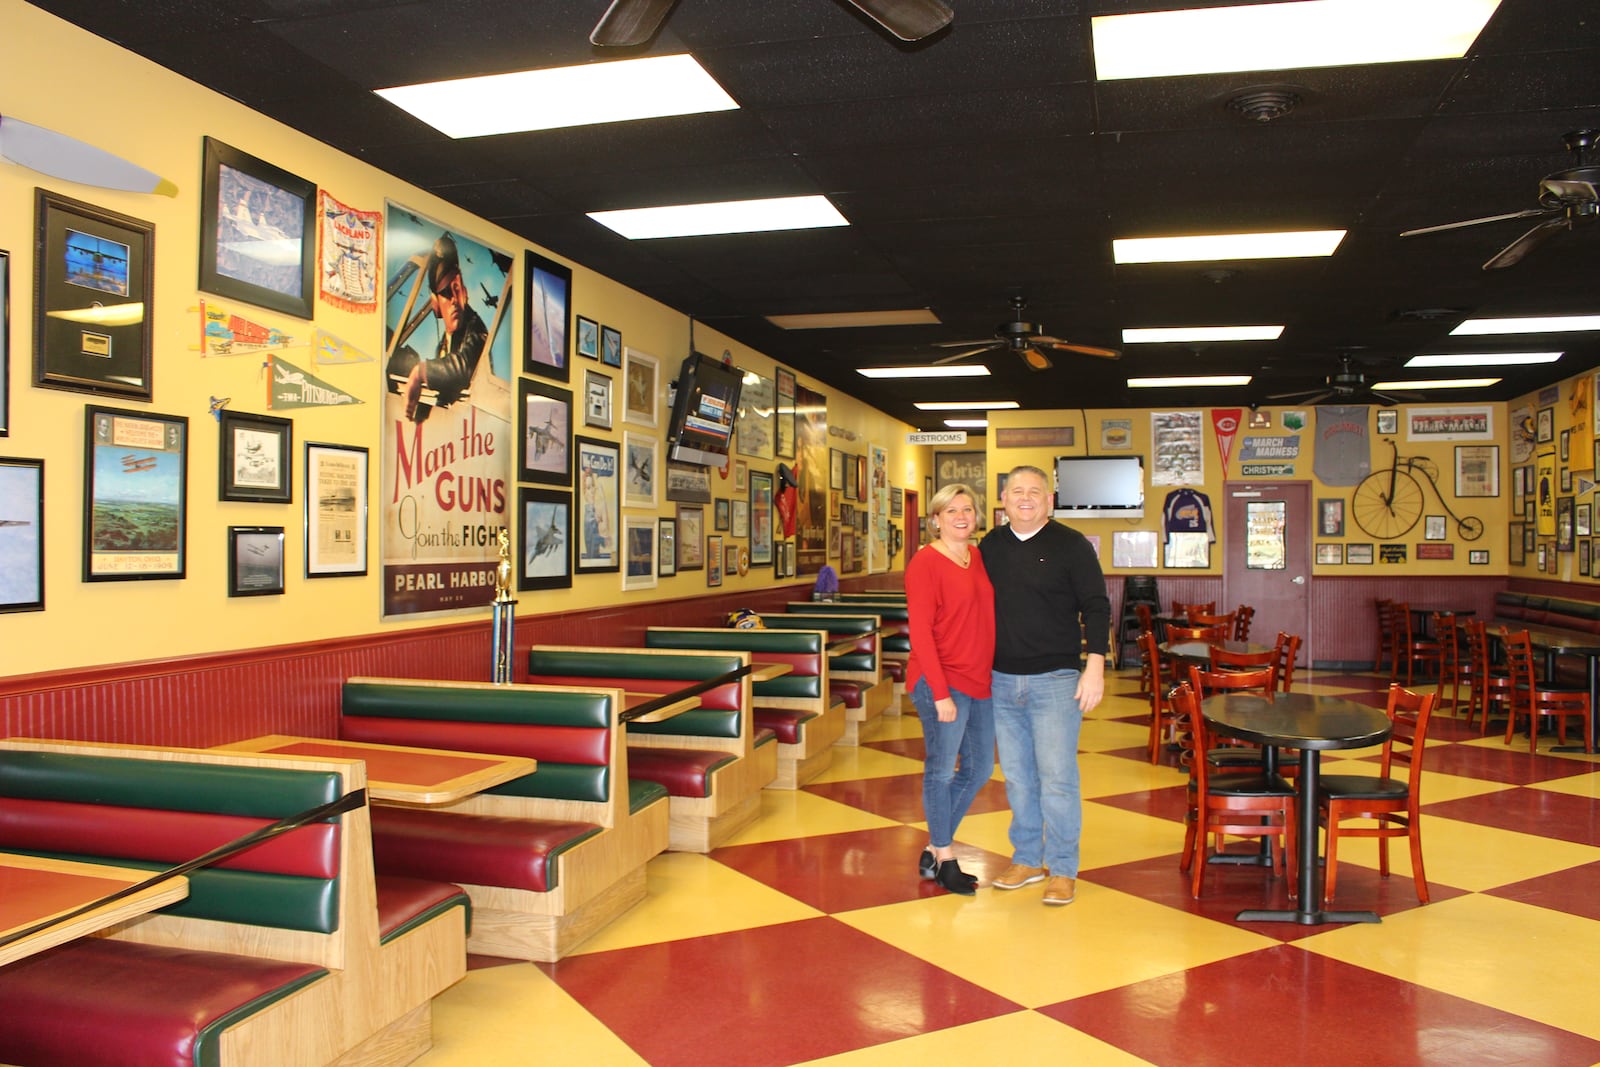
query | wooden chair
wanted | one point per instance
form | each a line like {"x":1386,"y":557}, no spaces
{"x":1230,"y":754}
{"x":1385,"y":636}
{"x":1208,"y":634}
{"x":1489,"y":686}
{"x":1390,"y":803}
{"x":1241,"y":622}
{"x":1191,"y":610}
{"x":1542,"y":700}
{"x":1454,"y":667}
{"x":1147,"y":666}
{"x":1223,"y":660}
{"x":1203,"y":618}
{"x":1244,"y":803}
{"x":1284,"y":652}
{"x":1411,"y":648}
{"x":1162,"y":719}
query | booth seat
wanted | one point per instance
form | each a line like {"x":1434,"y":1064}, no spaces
{"x":548,"y":858}
{"x":855,"y":674}
{"x":291,"y":951}
{"x":1577,"y":619}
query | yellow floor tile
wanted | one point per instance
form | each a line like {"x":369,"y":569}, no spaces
{"x":850,"y":764}
{"x":1581,"y":785}
{"x":892,"y":727}
{"x":1435,"y":787}
{"x":1473,"y":857}
{"x":1113,"y":835}
{"x":510,"y":1012}
{"x":1099,"y":735}
{"x":1109,"y":776}
{"x":1033,"y":1037}
{"x":789,"y":813}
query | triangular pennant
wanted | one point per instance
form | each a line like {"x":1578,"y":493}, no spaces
{"x":291,"y":387}
{"x":329,"y":351}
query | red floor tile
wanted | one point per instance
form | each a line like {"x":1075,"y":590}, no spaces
{"x":900,"y":797}
{"x":1575,"y":891}
{"x":1510,"y":765}
{"x":767,"y":996}
{"x":1528,"y":811}
{"x":1283,"y":1005}
{"x":1169,"y":803}
{"x":909,"y":747}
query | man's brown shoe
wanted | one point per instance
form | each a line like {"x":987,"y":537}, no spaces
{"x":1016,"y":876}
{"x":1061,"y":890}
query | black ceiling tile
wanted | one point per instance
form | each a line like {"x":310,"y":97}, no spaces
{"x":1527,"y":84}
{"x":606,"y":188}
{"x":507,"y":198}
{"x":708,"y":140}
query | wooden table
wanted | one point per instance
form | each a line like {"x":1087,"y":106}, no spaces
{"x":765,"y":671}
{"x":1199,"y":652}
{"x":402,"y":773}
{"x":642,"y":706}
{"x":1422,"y":617}
{"x":1556,"y":644}
{"x":35,"y":889}
{"x":1310,"y":723}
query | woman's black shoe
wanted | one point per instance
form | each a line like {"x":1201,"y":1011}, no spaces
{"x":953,"y":878}
{"x":927,"y":866}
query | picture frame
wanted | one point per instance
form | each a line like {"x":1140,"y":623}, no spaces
{"x":546,"y":317}
{"x":1529,"y":532}
{"x":1358,"y":554}
{"x":134,"y":456}
{"x":1566,"y":479}
{"x":1545,"y":426}
{"x":1585,"y":549}
{"x":752,"y":428}
{"x":741,"y":519}
{"x":721,"y":515}
{"x":835,"y":469}
{"x":1388,"y":420}
{"x":1517,"y":552}
{"x":862,"y":483}
{"x":761,"y":525}
{"x":1477,"y":470}
{"x":597,"y":500}
{"x":22,"y":548}
{"x":255,"y":458}
{"x":587,"y":334}
{"x":641,"y":388}
{"x":640,"y":463}
{"x":741,"y":476}
{"x":257,"y":232}
{"x":689,"y":483}
{"x":1564,"y":449}
{"x":1433,"y":528}
{"x":1330,"y":518}
{"x":544,"y":414}
{"x":596,"y":399}
{"x":713,"y":561}
{"x":731,"y":556}
{"x":639,"y":552}
{"x":5,"y":343}
{"x":785,"y":383}
{"x":545,"y":554}
{"x":835,"y":540}
{"x":93,"y":285}
{"x":691,"y":545}
{"x":666,"y":548}
{"x":255,"y":561}
{"x":1581,"y":526}
{"x":1564,"y":524}
{"x":1478,"y":557}
{"x":610,"y":346}
{"x":852,"y":478}
{"x":1330,"y":555}
{"x":335,"y":510}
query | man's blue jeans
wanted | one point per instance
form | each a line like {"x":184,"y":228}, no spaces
{"x":1037,"y":722}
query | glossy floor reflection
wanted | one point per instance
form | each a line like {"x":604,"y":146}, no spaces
{"x":810,"y":939}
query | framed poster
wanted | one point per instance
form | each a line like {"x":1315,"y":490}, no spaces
{"x":588,"y":343}
{"x":835,"y":469}
{"x":741,"y":518}
{"x":546,"y":534}
{"x":1516,"y":549}
{"x":691,"y":538}
{"x":255,"y":560}
{"x":1358,"y":553}
{"x":1477,"y":470}
{"x":852,"y":478}
{"x":760,"y":518}
{"x":1330,"y":517}
{"x":1329,"y":554}
{"x":611,"y":346}
{"x":93,"y":285}
{"x":666,"y":548}
{"x":720,"y":515}
{"x":1581,"y":520}
{"x":639,"y":453}
{"x":336,"y":511}
{"x":257,"y":231}
{"x":598,"y":500}
{"x":970,"y":468}
{"x":1388,"y":420}
{"x":546,"y":311}
{"x":545,"y":411}
{"x":135,"y":506}
{"x":1564,"y":448}
{"x":257,"y":458}
{"x":639,"y":552}
{"x":596,"y":400}
{"x":22,"y":543}
{"x":1563,"y":524}
{"x":1545,"y":431}
{"x":752,"y":431}
{"x":714,"y":560}
{"x":688,"y":482}
{"x":784,"y":433}
{"x":641,"y":387}
{"x":1584,"y":550}
{"x":741,"y":476}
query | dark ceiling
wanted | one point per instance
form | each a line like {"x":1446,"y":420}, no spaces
{"x":983,"y":162}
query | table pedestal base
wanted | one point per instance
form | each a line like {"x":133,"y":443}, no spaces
{"x":1306,"y":918}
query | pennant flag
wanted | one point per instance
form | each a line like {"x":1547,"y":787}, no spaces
{"x":348,"y":241}
{"x":291,"y":387}
{"x":329,"y":351}
{"x":1225,"y":424}
{"x":223,"y":333}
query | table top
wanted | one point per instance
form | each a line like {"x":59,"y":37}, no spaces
{"x":401,"y":772}
{"x":1424,"y":609}
{"x":1200,"y":651}
{"x":1556,"y":641}
{"x":33,"y":889}
{"x":633,"y":700}
{"x":764,"y":671}
{"x":1296,"y":720}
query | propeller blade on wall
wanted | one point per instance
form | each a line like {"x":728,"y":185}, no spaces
{"x":60,"y":156}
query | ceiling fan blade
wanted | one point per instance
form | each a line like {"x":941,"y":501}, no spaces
{"x":942,"y":360}
{"x":1317,"y":398}
{"x":1527,"y":214}
{"x":966,"y":344}
{"x":630,"y":23}
{"x":1513,"y":252}
{"x":1084,"y":350}
{"x":1035,"y":357}
{"x":909,"y":20}
{"x":1301,"y":394}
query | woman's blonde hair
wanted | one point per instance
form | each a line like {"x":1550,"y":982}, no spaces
{"x":942,"y":498}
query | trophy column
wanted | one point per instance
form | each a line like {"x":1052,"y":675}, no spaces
{"x":505,"y":615}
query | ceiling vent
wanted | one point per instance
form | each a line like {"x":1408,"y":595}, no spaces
{"x":1264,"y":103}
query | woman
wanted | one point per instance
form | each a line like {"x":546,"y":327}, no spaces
{"x":951,"y":607}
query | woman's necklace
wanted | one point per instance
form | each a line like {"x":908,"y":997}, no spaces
{"x":964,"y":560}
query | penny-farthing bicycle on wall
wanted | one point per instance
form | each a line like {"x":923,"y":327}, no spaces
{"x":1388,"y":502}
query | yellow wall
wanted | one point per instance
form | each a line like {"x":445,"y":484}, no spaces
{"x":150,"y":116}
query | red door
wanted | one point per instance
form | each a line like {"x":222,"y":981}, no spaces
{"x":1267,"y":559}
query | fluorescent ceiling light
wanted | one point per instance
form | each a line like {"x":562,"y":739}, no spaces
{"x":1215,"y":246}
{"x":1483,"y":359}
{"x":731,"y":216}
{"x":1163,"y":334}
{"x":1537,"y":324}
{"x":967,"y":424}
{"x":966,"y":405}
{"x":1284,"y":36}
{"x":845,"y":319}
{"x":1190,"y":380}
{"x":563,"y":96}
{"x":1440,"y":383}
{"x":949,"y":370}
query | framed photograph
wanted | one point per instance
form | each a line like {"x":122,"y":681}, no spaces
{"x":1566,"y":479}
{"x":255,"y":560}
{"x":835,"y":469}
{"x":1544,"y":555}
{"x":257,"y":232}
{"x":1388,"y":420}
{"x":5,"y":343}
{"x":639,"y":454}
{"x":1564,"y":451}
{"x":760,"y":518}
{"x":641,"y":388}
{"x":596,"y":400}
{"x":1358,"y":553}
{"x":752,"y":429}
{"x":720,"y":515}
{"x":741,"y":476}
{"x":135,"y":508}
{"x":610,"y":346}
{"x":255,"y":461}
{"x":741,"y":518}
{"x":688,"y":482}
{"x":1330,"y":518}
{"x":1517,"y":552}
{"x":546,"y":313}
{"x":1330,"y":554}
{"x":1477,"y":470}
{"x":897,"y":503}
{"x":93,"y":283}
{"x":598,"y":498}
{"x":1563,"y":524}
{"x":732,"y":558}
{"x":852,"y":478}
{"x":1433,"y":528}
{"x":1584,"y":551}
{"x":336,"y":510}
{"x":785,"y":428}
{"x":691,"y":538}
{"x":588,"y":338}
{"x":835,"y":535}
{"x":666,"y":548}
{"x":1545,"y":426}
{"x":847,"y":550}
{"x":21,"y":534}
{"x":546,"y":414}
{"x":1478,"y":557}
{"x":1529,"y":532}
{"x":639,"y":552}
{"x":714,"y":560}
{"x":546,"y":536}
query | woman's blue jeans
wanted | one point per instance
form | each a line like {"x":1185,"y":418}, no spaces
{"x":947,"y":792}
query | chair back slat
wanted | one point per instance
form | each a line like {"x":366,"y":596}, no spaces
{"x":1263,"y":680}
{"x":1208,"y":634}
{"x":1284,"y":652}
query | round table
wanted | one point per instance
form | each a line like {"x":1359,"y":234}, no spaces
{"x":1199,"y":652}
{"x":1311,"y":723}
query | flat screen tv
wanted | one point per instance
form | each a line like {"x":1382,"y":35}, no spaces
{"x":701,"y":429}
{"x":1100,"y":487}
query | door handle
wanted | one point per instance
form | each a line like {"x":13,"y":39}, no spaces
{"x":1298,"y":579}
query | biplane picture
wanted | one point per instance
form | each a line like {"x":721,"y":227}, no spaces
{"x":546,"y":415}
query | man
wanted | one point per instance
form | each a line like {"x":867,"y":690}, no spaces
{"x":1049,"y":593}
{"x":461,"y":343}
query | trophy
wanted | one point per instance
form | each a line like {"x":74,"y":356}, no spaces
{"x":505,"y":613}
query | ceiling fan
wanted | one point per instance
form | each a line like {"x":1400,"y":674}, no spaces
{"x":1026,"y":339}
{"x":630,"y":23}
{"x":1567,"y":199}
{"x":1343,"y":387}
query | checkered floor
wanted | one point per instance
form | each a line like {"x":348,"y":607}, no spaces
{"x":810,"y":939}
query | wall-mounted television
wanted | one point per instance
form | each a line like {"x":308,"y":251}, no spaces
{"x":701,"y":429}
{"x":1100,"y":487}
